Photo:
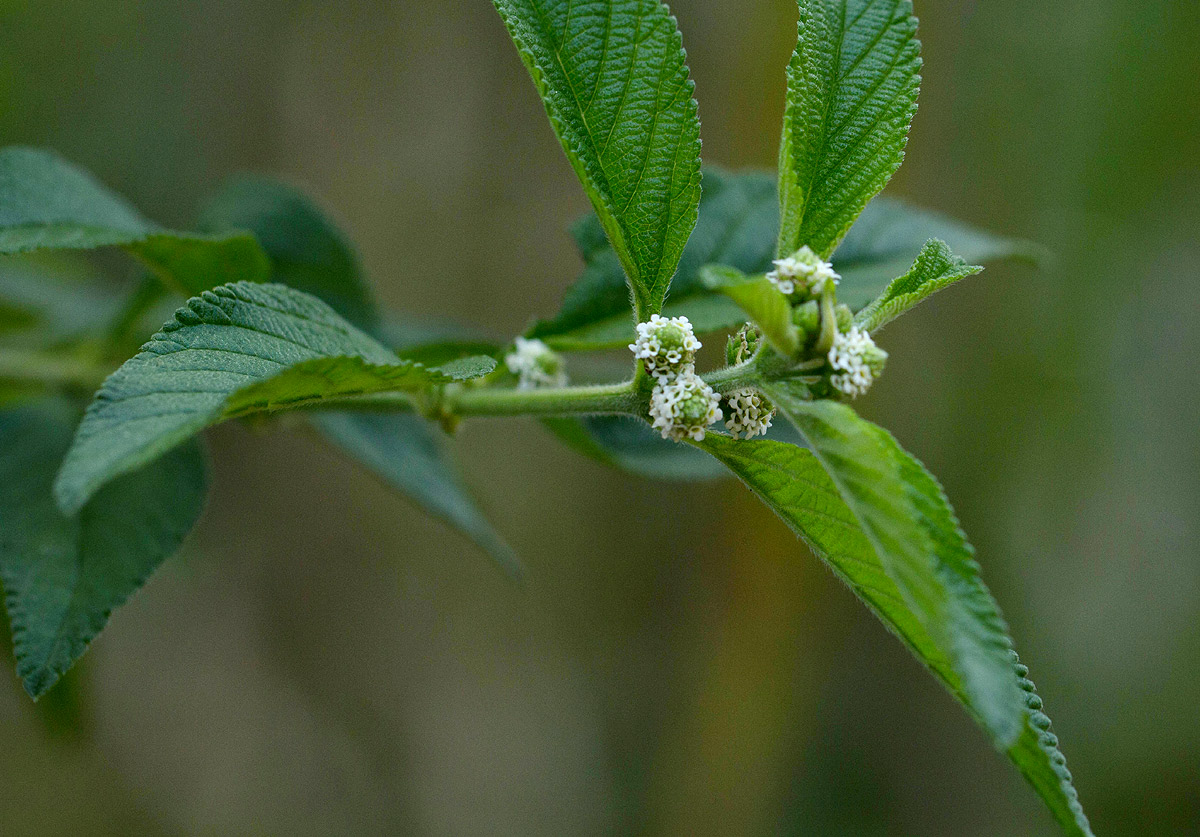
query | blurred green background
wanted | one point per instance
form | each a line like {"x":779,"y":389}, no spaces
{"x":324,"y":660}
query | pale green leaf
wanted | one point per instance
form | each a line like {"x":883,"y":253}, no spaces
{"x":761,"y":301}
{"x":615,"y":84}
{"x":852,"y":93}
{"x":236,"y":349}
{"x":307,"y":250}
{"x":63,"y":576}
{"x":48,"y":203}
{"x":402,"y":450}
{"x":793,"y":483}
{"x":935,"y":268}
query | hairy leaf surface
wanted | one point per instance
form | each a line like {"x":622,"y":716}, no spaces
{"x":794,"y":484}
{"x":935,"y":268}
{"x":910,"y":532}
{"x":237,"y":349}
{"x":613,"y":77}
{"x":761,"y":301}
{"x":62,"y":575}
{"x":852,"y":94}
{"x":402,"y":450}
{"x":48,"y":203}
{"x":307,"y":250}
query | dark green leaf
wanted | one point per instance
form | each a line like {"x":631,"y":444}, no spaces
{"x":762,"y":302}
{"x":887,"y":236}
{"x":234,"y":350}
{"x":63,"y":576}
{"x":793,"y":483}
{"x":612,"y":76}
{"x":935,"y":268}
{"x":631,"y":445}
{"x":307,"y":250}
{"x":47,"y":203}
{"x":852,"y":93}
{"x":739,"y":219}
{"x":404,"y":452}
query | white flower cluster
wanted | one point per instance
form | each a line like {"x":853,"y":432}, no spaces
{"x":750,"y":413}
{"x":684,"y":407}
{"x":856,"y":361}
{"x":803,"y":272}
{"x":667,"y":345}
{"x":536,"y":365}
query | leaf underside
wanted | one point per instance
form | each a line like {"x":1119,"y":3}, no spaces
{"x":307,"y":250}
{"x":852,"y":94}
{"x":613,"y":77}
{"x":237,"y":349}
{"x":403,"y":451}
{"x":62,"y":575}
{"x":738,"y":228}
{"x":48,"y":203}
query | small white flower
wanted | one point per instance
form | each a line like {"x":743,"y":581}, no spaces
{"x":684,"y":407}
{"x":536,"y":365}
{"x":803,"y":271}
{"x":856,"y":361}
{"x":749,"y":413}
{"x":667,"y":345}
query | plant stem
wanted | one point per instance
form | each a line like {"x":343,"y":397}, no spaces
{"x":481,"y":401}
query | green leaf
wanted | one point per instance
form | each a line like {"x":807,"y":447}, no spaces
{"x":915,"y":544}
{"x":739,"y":218}
{"x":307,"y":250}
{"x":794,"y":484}
{"x":403,"y":451}
{"x":63,"y":576}
{"x":234,"y":350}
{"x":935,"y":268}
{"x":884,"y":240}
{"x":612,"y":76}
{"x":48,"y":203}
{"x":852,"y":94}
{"x":761,"y":300}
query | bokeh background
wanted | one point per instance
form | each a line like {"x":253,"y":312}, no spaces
{"x":322,"y":659}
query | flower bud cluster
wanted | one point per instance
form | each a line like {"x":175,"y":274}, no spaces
{"x":536,"y":365}
{"x":750,"y":413}
{"x":667,"y":346}
{"x":682,"y":406}
{"x":856,"y":362}
{"x":802,"y":275}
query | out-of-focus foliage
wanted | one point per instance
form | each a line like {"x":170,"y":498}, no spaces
{"x":706,"y":684}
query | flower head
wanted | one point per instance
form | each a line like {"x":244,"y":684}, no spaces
{"x":750,"y":413}
{"x":667,"y":345}
{"x":856,"y":361}
{"x":535,"y":364}
{"x":803,"y":273}
{"x":684,"y":407}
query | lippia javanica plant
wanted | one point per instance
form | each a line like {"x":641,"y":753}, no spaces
{"x":796,"y":273}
